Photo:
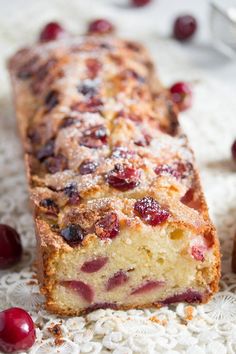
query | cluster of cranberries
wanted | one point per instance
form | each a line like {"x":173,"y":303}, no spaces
{"x":17,"y":330}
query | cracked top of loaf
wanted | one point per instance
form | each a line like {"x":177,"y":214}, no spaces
{"x":100,"y":135}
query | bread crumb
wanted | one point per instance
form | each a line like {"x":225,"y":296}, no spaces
{"x":156,"y":320}
{"x":189,"y":313}
{"x":56,"y":331}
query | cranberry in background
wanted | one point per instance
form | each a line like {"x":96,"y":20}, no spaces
{"x":10,"y":246}
{"x":100,"y":26}
{"x":181,"y":95}
{"x":184,"y":27}
{"x":51,"y":32}
{"x":233,"y":150}
{"x":17,"y":331}
{"x":140,"y":3}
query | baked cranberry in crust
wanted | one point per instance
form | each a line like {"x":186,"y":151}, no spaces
{"x":121,"y":220}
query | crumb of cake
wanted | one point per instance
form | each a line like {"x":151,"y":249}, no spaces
{"x":155,"y":319}
{"x":56,"y":331}
{"x":189,"y":313}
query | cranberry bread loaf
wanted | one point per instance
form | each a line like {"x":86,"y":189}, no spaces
{"x":121,"y":220}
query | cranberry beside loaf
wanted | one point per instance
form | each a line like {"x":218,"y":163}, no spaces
{"x":121,"y":220}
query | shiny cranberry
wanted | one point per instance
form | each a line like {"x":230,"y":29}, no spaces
{"x":108,"y":226}
{"x":51,"y":31}
{"x":94,"y":265}
{"x":17,"y":332}
{"x":148,"y":286}
{"x":80,"y":288}
{"x":94,"y":137}
{"x":116,"y":280}
{"x":233,"y":150}
{"x":181,"y":94}
{"x":178,"y":170}
{"x":100,"y":26}
{"x":87,"y":167}
{"x":10,"y":246}
{"x":140,"y":3}
{"x":184,"y":27}
{"x":71,"y":191}
{"x":73,"y":234}
{"x":123,"y":177}
{"x":150,"y":211}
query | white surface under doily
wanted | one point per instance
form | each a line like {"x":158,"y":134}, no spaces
{"x":211,"y":127}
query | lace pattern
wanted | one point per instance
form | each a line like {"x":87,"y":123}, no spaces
{"x":186,"y":329}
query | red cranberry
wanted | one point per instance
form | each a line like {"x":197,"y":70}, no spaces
{"x":178,"y":170}
{"x":56,"y":164}
{"x":87,"y":167}
{"x":10,"y":246}
{"x":148,"y":286}
{"x":123,"y":177}
{"x":49,"y":205}
{"x":79,"y":287}
{"x":71,"y":191}
{"x":17,"y":332}
{"x":94,"y":137}
{"x":144,"y":141}
{"x":93,"y":67}
{"x":184,"y":27}
{"x":51,"y":31}
{"x":100,"y":26}
{"x":140,"y":3}
{"x":95,"y":265}
{"x":108,"y":226}
{"x":116,"y":280}
{"x":150,"y":211}
{"x":233,"y":150}
{"x":181,"y":95}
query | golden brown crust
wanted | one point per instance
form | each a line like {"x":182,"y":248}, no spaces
{"x":117,"y":92}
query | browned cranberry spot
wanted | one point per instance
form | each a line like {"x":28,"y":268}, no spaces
{"x":79,"y":287}
{"x":93,"y":67}
{"x":72,"y":193}
{"x":150,"y":211}
{"x":144,"y":141}
{"x":73,"y":234}
{"x":133,"y":46}
{"x":123,"y":177}
{"x":198,"y":252}
{"x":94,"y":137}
{"x":178,"y":170}
{"x":116,"y":280}
{"x":148,"y":286}
{"x":87,"y":167}
{"x":94,"y":265}
{"x":92,"y":105}
{"x":122,"y":152}
{"x":47,"y":150}
{"x":67,"y":122}
{"x":87,"y":89}
{"x":56,"y":164}
{"x":41,"y":75}
{"x":28,"y":69}
{"x":50,"y":205}
{"x":108,"y":226}
{"x":51,"y":100}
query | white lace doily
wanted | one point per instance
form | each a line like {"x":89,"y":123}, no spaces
{"x":211,"y":126}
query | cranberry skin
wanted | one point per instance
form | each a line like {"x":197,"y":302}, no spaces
{"x":17,"y":330}
{"x":148,"y":286}
{"x":123,"y":177}
{"x":150,"y":211}
{"x":108,"y":226}
{"x":80,"y":288}
{"x":189,"y":296}
{"x":233,"y":150}
{"x":95,"y":265}
{"x":184,"y":27}
{"x":51,"y":31}
{"x":116,"y":280}
{"x":100,"y":26}
{"x":181,"y":94}
{"x":10,"y":246}
{"x":140,"y":3}
{"x":87,"y":167}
